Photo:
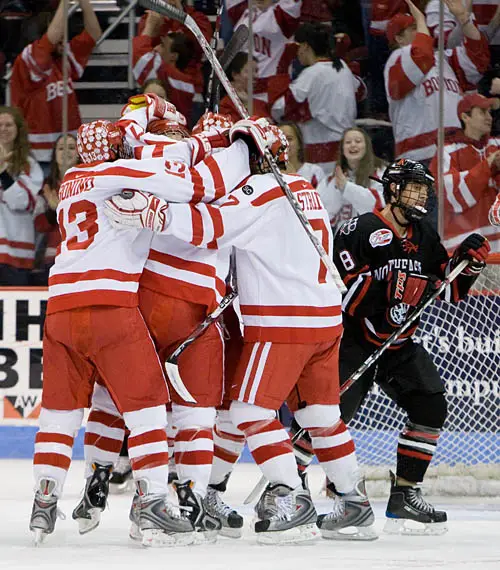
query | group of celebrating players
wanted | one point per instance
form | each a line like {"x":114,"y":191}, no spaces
{"x":157,"y":226}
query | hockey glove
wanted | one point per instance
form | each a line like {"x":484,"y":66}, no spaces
{"x":475,"y":249}
{"x":212,"y":122}
{"x":409,"y":288}
{"x":157,"y":108}
{"x":494,"y":214}
{"x":137,"y":209}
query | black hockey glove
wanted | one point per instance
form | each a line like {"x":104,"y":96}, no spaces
{"x":409,"y":288}
{"x":475,"y":248}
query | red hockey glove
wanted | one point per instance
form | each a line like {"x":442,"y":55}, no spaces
{"x":137,"y":209}
{"x":494,"y":214}
{"x":475,"y":248}
{"x":409,"y":288}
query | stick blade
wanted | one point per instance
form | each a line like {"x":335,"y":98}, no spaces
{"x":256,"y":491}
{"x":175,"y":379}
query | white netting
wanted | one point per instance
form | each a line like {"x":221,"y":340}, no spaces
{"x":464,"y":341}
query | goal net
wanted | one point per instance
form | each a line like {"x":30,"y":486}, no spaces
{"x":464,"y":341}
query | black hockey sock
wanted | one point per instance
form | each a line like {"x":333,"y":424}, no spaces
{"x":416,"y":447}
{"x":124,"y":449}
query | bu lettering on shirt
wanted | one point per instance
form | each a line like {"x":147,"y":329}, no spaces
{"x":431,"y":86}
{"x":56,"y":89}
{"x":262,"y":45}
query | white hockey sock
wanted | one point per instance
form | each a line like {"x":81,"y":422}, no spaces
{"x":228,"y":445}
{"x":268,"y":441}
{"x":194,"y":445}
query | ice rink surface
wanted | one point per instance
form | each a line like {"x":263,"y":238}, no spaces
{"x":472,"y":542}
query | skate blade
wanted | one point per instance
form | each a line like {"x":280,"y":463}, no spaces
{"x":87,"y":525}
{"x":155,"y":538}
{"x":414,"y":528}
{"x":205,"y":536}
{"x":296,"y":535}
{"x":350,"y":533}
{"x":39,"y":536}
{"x":229,"y":532}
{"x":135,"y":533}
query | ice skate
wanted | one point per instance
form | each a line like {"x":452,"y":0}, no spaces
{"x":265,"y":507}
{"x":121,"y":479}
{"x":351,"y":518}
{"x":409,"y":513}
{"x":231,"y":521}
{"x":294,"y":520}
{"x":206,"y":526}
{"x":160,"y":522}
{"x":134,"y":515}
{"x":95,"y":496}
{"x":45,"y":512}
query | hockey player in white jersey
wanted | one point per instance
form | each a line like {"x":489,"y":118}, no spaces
{"x":291,"y":313}
{"x":93,"y":325}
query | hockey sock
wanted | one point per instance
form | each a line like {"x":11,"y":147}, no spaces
{"x":332,"y":444}
{"x":194,"y":445}
{"x":228,"y":445}
{"x":148,"y":448}
{"x":268,"y":442}
{"x":54,"y":445}
{"x":416,"y":447}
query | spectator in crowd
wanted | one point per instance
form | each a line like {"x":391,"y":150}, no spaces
{"x":20,"y":180}
{"x":156,"y":87}
{"x":169,"y":26}
{"x":37,"y":79}
{"x":64,"y":157}
{"x":165,"y":58}
{"x":237,"y":73}
{"x":322,"y":100}
{"x":350,"y":189}
{"x":274,"y":24}
{"x":484,"y":14}
{"x":296,"y":162}
{"x":471,"y":174}
{"x":412,"y":79}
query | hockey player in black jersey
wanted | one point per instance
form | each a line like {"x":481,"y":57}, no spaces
{"x":390,"y":262}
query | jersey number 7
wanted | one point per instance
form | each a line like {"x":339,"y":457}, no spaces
{"x":84,"y":215}
{"x":318,"y":225}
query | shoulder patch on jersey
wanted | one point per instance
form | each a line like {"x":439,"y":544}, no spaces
{"x":397,"y":314}
{"x":248,"y":190}
{"x":349,"y":226}
{"x":381,"y":237}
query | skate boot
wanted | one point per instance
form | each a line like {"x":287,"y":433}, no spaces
{"x":351,"y":518}
{"x":206,"y":526}
{"x":294,"y":520}
{"x":266,"y":505}
{"x":134,"y":515}
{"x":160,"y":522}
{"x":230,"y":520}
{"x":45,"y":511}
{"x":409,"y":513}
{"x":95,"y":496}
{"x":121,"y":478}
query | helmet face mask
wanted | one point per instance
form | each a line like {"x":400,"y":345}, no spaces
{"x":279,"y":150}
{"x":167,"y":128}
{"x":409,"y":186}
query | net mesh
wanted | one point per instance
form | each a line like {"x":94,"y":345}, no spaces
{"x":464,"y":341}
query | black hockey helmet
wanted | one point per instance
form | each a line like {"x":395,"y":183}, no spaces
{"x":401,"y":173}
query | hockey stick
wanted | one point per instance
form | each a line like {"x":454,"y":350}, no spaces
{"x":257,"y":490}
{"x":213,"y":46}
{"x":165,"y":9}
{"x":171,"y":365}
{"x":234,"y":46}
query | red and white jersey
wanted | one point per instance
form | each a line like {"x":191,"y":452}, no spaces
{"x":97,"y":265}
{"x":470,"y":188}
{"x":482,"y":12}
{"x":148,"y":64}
{"x":353,"y":201}
{"x":285,"y":292}
{"x":273,"y":29}
{"x":412,"y":87}
{"x":313,"y":173}
{"x":17,"y":202}
{"x":322,"y":101}
{"x":37,"y":89}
